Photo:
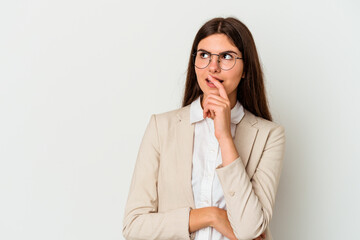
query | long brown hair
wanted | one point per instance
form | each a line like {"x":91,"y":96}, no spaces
{"x":251,"y":90}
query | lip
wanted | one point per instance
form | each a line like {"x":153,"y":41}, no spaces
{"x":211,"y":85}
{"x":215,"y":78}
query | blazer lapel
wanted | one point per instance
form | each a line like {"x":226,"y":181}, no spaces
{"x":245,"y":135}
{"x":184,"y":151}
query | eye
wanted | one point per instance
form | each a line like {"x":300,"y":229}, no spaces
{"x":227,"y":56}
{"x":204,"y":54}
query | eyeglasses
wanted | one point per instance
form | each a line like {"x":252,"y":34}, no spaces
{"x":226,"y":60}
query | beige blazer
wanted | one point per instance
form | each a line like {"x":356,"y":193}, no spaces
{"x":161,"y":196}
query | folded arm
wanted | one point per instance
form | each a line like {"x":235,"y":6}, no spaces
{"x":250,"y":202}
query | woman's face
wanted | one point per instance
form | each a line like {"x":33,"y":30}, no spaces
{"x":218,"y":43}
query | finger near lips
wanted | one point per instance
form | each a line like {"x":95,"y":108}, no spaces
{"x":215,"y":99}
{"x":219,"y":86}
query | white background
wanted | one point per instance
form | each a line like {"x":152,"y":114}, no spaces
{"x":80,"y":79}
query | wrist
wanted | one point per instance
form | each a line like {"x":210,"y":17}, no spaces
{"x":226,"y":142}
{"x":202,"y":217}
{"x":225,"y":139}
{"x":213,"y":213}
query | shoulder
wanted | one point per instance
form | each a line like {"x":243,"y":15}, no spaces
{"x":167,"y":121}
{"x":172,"y":116}
{"x":260,"y":123}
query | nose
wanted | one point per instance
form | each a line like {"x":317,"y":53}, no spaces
{"x":214,"y":64}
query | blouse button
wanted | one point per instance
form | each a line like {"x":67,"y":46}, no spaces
{"x":231,"y":193}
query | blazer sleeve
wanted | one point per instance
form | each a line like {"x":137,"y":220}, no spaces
{"x":250,"y":202}
{"x":142,"y":219}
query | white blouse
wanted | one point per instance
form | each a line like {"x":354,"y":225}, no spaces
{"x":206,"y":187}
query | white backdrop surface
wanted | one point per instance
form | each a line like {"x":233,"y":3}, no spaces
{"x":79,"y":80}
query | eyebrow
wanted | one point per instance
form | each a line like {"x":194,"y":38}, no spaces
{"x":227,"y":51}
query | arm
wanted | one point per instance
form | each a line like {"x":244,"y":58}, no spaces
{"x":141,"y":219}
{"x":250,"y":201}
{"x":201,"y":218}
{"x":214,"y":217}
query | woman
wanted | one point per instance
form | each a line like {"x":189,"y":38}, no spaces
{"x":210,"y":169}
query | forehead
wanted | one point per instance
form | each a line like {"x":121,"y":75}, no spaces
{"x":216,"y":43}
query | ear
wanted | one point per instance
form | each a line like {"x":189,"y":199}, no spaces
{"x":243,"y":75}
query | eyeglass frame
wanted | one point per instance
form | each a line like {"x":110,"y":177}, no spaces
{"x":218,"y":60}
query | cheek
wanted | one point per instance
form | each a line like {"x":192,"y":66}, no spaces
{"x":199,"y":77}
{"x":236,"y":78}
{"x":233,"y":84}
{"x":199,"y":72}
